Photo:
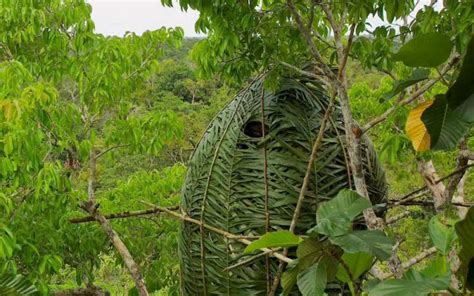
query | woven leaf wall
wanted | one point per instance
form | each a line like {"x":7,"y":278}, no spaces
{"x":225,"y":184}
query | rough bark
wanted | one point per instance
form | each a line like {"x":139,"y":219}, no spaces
{"x":90,"y":207}
{"x":429,"y":175}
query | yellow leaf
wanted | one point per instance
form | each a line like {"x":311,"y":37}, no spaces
{"x":416,"y":129}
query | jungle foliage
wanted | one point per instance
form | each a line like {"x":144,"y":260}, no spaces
{"x":135,"y":107}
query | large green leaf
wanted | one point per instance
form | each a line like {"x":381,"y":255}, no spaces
{"x":416,"y":76}
{"x":425,"y":50}
{"x":335,"y":216}
{"x":368,"y":241}
{"x":444,"y":126}
{"x":414,"y":284}
{"x":441,"y":235}
{"x":357,"y":263}
{"x":312,"y":281}
{"x":281,"y":238}
{"x":465,"y":232}
{"x":461,"y":95}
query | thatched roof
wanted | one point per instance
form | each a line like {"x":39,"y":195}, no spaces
{"x":225,"y":185}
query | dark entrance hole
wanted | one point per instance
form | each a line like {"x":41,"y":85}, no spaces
{"x":253,"y":129}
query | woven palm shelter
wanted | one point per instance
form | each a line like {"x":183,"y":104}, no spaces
{"x":226,"y":185}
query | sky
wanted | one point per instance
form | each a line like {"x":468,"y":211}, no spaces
{"x":112,"y":17}
{"x":115,"y":17}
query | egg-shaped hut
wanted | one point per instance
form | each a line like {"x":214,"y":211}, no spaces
{"x":245,"y":177}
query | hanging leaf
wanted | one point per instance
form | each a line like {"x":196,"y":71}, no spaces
{"x":416,"y":129}
{"x":441,"y":235}
{"x":416,"y":76}
{"x":281,"y":238}
{"x":335,"y":216}
{"x":357,"y":263}
{"x":425,"y":50}
{"x":414,"y":284}
{"x":309,"y":252}
{"x":309,"y":248}
{"x":368,"y":241}
{"x":289,"y":277}
{"x":461,"y":95}
{"x":445,"y":127}
{"x":312,"y":281}
{"x":465,"y":232}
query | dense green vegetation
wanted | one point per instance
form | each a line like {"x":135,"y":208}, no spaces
{"x":93,"y":125}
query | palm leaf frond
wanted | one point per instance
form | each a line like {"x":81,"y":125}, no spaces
{"x":15,"y":285}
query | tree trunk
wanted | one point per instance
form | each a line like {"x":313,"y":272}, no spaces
{"x":353,"y":135}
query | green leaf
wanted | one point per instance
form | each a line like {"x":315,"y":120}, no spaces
{"x":441,"y":235}
{"x":310,"y":247}
{"x":465,"y":232}
{"x":416,"y":76}
{"x":436,"y":267}
{"x":425,"y":50}
{"x":335,"y":216}
{"x":357,"y":263}
{"x":368,"y":241}
{"x":281,"y":238}
{"x":414,"y":284}
{"x":461,"y":95}
{"x":289,"y":277}
{"x":312,"y":281}
{"x":444,"y":126}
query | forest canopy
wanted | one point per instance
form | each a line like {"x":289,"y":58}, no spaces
{"x":96,"y":133}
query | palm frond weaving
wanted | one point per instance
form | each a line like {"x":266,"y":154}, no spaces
{"x":227,"y":183}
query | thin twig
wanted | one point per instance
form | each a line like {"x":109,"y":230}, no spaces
{"x":417,"y":259}
{"x":246,"y":261}
{"x":430,"y":203}
{"x":452,"y":61}
{"x":299,"y":70}
{"x":419,"y":190}
{"x":342,"y":67}
{"x":216,"y":230}
{"x":110,"y":149}
{"x":304,"y":186}
{"x":397,"y":218}
{"x":309,"y":40}
{"x":126,"y":214}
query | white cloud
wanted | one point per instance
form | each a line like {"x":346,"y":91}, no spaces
{"x":112,"y":17}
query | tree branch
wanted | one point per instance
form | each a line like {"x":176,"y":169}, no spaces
{"x":421,"y":189}
{"x":309,"y":40}
{"x":417,"y":259}
{"x":217,"y":230}
{"x":90,"y":207}
{"x":397,"y":218}
{"x":108,"y":149}
{"x":342,"y":66}
{"x":451,"y":62}
{"x":461,"y":162}
{"x":121,"y":215}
